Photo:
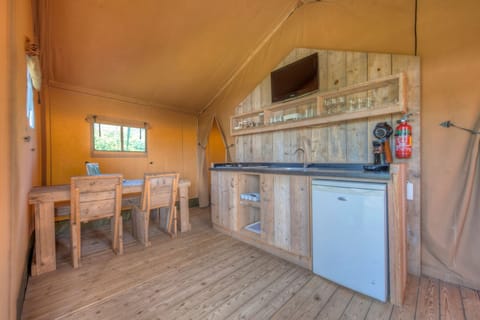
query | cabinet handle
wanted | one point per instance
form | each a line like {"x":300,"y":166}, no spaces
{"x":342,"y":199}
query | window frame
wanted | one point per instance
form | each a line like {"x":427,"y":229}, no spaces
{"x":95,"y":120}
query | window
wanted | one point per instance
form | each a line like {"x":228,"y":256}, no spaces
{"x":114,"y":138}
{"x":30,"y":104}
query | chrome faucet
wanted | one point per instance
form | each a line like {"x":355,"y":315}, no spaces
{"x":305,"y":165}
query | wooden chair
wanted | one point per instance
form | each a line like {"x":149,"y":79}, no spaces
{"x":93,"y":168}
{"x":94,"y":198}
{"x":159,"y":191}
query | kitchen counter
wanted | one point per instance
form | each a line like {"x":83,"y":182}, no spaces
{"x":337,"y":170}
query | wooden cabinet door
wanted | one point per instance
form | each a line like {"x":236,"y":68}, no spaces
{"x":300,"y":215}
{"x":228,"y":200}
{"x":214,"y":196}
{"x":286,"y":212}
{"x":282,"y":212}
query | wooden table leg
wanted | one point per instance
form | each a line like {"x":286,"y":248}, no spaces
{"x":45,"y":258}
{"x":184,"y":212}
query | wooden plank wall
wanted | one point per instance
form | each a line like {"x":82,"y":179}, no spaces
{"x":347,"y":142}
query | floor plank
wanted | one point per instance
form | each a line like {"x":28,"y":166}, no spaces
{"x":122,"y":273}
{"x":379,"y":311}
{"x":409,"y":307}
{"x":204,"y":274}
{"x":428,"y":304}
{"x":160,"y":292}
{"x":247,"y":291}
{"x":471,"y":303}
{"x":306,"y":293}
{"x":192,"y":305}
{"x":261,"y":305}
{"x":357,"y":308}
{"x":202,"y":302}
{"x":336,"y":304}
{"x":450,"y":302}
{"x":267,"y":311}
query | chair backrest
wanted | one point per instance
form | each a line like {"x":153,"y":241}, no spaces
{"x":159,"y":190}
{"x":95,"y":197}
{"x":93,"y":169}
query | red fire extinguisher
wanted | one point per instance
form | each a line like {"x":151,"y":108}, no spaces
{"x":403,"y":138}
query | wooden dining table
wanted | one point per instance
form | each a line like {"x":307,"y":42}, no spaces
{"x":43,"y":199}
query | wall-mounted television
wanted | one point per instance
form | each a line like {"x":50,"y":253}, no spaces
{"x":295,"y":79}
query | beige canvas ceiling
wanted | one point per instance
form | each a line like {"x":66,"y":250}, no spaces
{"x":170,"y":53}
{"x":181,"y":53}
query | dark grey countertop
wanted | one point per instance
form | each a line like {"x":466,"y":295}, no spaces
{"x":337,"y":170}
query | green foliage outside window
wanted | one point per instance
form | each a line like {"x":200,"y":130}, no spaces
{"x":134,"y":139}
{"x":118,"y":138}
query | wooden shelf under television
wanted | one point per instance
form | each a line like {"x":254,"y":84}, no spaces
{"x":311,"y":110}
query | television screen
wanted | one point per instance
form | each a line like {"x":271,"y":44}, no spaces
{"x":295,"y":79}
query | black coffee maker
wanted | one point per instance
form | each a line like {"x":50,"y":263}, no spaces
{"x":382,"y":154}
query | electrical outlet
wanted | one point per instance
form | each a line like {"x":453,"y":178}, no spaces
{"x":409,"y":190}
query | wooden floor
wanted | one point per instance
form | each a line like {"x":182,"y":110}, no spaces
{"x":206,"y":275}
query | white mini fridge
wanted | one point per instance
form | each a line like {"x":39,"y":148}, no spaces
{"x":349,"y":235}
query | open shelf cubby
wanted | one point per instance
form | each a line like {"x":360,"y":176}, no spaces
{"x":250,"y":203}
